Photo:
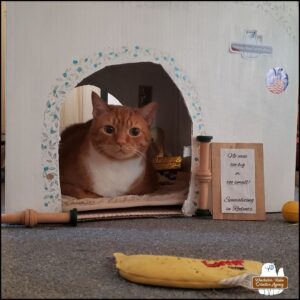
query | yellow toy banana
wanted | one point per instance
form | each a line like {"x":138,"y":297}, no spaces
{"x":182,"y":272}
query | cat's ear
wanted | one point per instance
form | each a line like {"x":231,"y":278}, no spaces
{"x":148,"y":112}
{"x":99,"y":105}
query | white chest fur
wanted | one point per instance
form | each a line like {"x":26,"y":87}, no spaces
{"x":113,"y":178}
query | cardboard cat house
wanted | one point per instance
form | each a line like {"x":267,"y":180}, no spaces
{"x":53,"y":47}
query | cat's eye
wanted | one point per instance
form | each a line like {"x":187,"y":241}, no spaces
{"x":134,"y":131}
{"x":108,"y":129}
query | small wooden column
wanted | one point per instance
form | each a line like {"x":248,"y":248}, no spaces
{"x":204,"y":175}
{"x":31,"y":218}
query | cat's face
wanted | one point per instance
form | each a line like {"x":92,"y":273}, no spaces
{"x":121,"y":132}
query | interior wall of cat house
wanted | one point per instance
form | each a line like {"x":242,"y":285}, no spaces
{"x":43,"y":39}
{"x":172,"y":125}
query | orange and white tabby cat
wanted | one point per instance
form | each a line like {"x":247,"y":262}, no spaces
{"x":109,"y":155}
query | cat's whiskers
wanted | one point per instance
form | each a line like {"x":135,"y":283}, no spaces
{"x":125,"y":149}
{"x":138,"y":153}
{"x":107,"y":147}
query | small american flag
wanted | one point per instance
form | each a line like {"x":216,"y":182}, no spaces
{"x":277,"y":87}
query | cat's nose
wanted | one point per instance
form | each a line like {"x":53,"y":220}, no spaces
{"x":121,"y":141}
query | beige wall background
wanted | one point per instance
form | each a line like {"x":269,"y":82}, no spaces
{"x":44,"y":37}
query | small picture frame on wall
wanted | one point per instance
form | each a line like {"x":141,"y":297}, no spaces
{"x":145,"y":95}
{"x":238,"y":181}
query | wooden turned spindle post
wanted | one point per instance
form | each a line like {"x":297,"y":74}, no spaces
{"x":204,"y":175}
{"x":31,"y":218}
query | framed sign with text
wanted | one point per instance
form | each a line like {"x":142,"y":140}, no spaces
{"x":238,"y":181}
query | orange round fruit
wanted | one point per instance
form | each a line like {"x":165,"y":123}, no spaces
{"x":290,"y":211}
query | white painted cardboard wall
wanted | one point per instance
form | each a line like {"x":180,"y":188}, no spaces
{"x":44,"y":38}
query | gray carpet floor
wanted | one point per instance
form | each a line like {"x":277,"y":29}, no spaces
{"x":56,"y":261}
